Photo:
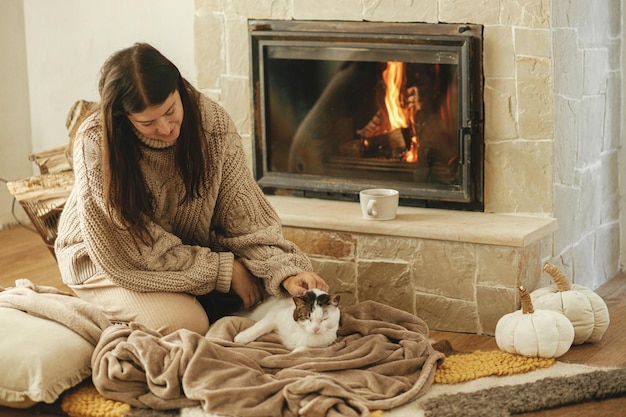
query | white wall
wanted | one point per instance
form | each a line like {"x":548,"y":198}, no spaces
{"x":14,"y":110}
{"x":66,"y":43}
{"x":68,"y":40}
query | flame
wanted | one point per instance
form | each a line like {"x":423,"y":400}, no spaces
{"x":397,"y":112}
{"x":393,"y":77}
{"x":411,"y":154}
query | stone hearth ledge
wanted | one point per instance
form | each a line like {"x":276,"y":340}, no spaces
{"x":457,"y":270}
{"x":447,"y":225}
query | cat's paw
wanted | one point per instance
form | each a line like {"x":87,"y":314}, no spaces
{"x":244,"y":337}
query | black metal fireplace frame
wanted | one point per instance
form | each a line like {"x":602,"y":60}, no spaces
{"x":465,"y":40}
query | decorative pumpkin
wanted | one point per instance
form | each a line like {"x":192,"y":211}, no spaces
{"x":584,"y":308}
{"x":534,"y":333}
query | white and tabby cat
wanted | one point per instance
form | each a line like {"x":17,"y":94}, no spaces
{"x":307,"y":321}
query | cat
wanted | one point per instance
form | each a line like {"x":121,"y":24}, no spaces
{"x":307,"y":321}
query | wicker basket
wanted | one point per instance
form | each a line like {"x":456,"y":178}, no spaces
{"x":43,"y":198}
{"x":45,"y":219}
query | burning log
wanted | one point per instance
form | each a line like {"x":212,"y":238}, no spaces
{"x":391,"y":131}
{"x":374,"y":127}
{"x":388,"y":145}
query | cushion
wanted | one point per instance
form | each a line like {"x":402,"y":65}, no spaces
{"x":39,"y":359}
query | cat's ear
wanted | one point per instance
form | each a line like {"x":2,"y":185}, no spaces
{"x":335,"y":300}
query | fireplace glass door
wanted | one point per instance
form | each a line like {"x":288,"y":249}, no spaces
{"x":343,"y":106}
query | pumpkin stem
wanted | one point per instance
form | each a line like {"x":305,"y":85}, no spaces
{"x":558,"y":276}
{"x":527,"y":304}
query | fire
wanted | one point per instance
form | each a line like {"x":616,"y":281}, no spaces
{"x":411,"y":154}
{"x":400,"y":115}
{"x":397,"y":118}
{"x":393,"y":77}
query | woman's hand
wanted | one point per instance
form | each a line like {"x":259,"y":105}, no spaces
{"x":299,"y":284}
{"x":249,"y":288}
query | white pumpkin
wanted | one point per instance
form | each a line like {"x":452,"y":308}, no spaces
{"x":534,"y":333}
{"x":584,"y":308}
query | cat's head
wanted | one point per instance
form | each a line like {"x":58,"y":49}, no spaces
{"x":317,"y":311}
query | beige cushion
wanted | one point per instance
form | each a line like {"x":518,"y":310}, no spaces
{"x":39,"y":359}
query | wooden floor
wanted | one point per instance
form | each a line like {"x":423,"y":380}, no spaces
{"x":24,"y":255}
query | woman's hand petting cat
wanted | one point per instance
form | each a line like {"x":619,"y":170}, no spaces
{"x":248,"y":287}
{"x":299,"y":284}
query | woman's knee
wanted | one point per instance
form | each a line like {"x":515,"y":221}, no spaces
{"x":186,"y":314}
{"x":165,"y":312}
{"x":168,"y":312}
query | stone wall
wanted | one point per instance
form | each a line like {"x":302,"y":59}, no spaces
{"x":453,"y":286}
{"x":517,"y":72}
{"x":588,"y":91}
{"x":457,"y":271}
{"x":553,"y":91}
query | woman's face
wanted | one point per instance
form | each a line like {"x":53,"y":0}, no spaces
{"x":162,"y":121}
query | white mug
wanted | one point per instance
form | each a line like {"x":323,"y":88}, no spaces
{"x":379,"y":203}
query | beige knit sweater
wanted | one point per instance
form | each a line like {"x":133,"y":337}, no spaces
{"x":196,"y":241}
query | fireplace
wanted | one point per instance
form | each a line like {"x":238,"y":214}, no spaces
{"x":343,"y":106}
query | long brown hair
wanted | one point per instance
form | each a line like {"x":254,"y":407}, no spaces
{"x":132,"y":80}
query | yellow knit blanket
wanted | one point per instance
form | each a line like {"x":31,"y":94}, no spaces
{"x":85,"y":401}
{"x":467,"y":366}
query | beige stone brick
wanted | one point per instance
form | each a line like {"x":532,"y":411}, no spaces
{"x":210,"y":48}
{"x":385,"y":282}
{"x":520,"y":177}
{"x":478,"y":11}
{"x":535,"y":91}
{"x":400,"y":11}
{"x":497,"y":266}
{"x":530,"y":265}
{"x":610,"y":187}
{"x":446,"y":314}
{"x":500,"y":109}
{"x":498,"y":52}
{"x":582,"y":272}
{"x":566,"y":121}
{"x":588,"y":211}
{"x":606,"y":258}
{"x":529,"y":13}
{"x":234,"y":90}
{"x":327,"y":9}
{"x":565,"y":197}
{"x":210,"y":5}
{"x":386,"y":247}
{"x":237,"y":63}
{"x":335,"y":245}
{"x":590,"y":139}
{"x":445,"y":268}
{"x":568,"y":60}
{"x":259,"y":9}
{"x":565,"y":13}
{"x":340,"y":277}
{"x":492,"y":303}
{"x":533,"y":42}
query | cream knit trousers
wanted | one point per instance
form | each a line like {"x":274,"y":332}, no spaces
{"x":162,"y":311}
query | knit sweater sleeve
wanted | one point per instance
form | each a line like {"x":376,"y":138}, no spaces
{"x":246,"y":224}
{"x":89,"y":243}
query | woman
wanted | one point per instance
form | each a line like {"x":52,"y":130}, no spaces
{"x":165,"y":223}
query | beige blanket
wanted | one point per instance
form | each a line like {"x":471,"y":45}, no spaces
{"x":53,"y":304}
{"x":381,"y":360}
